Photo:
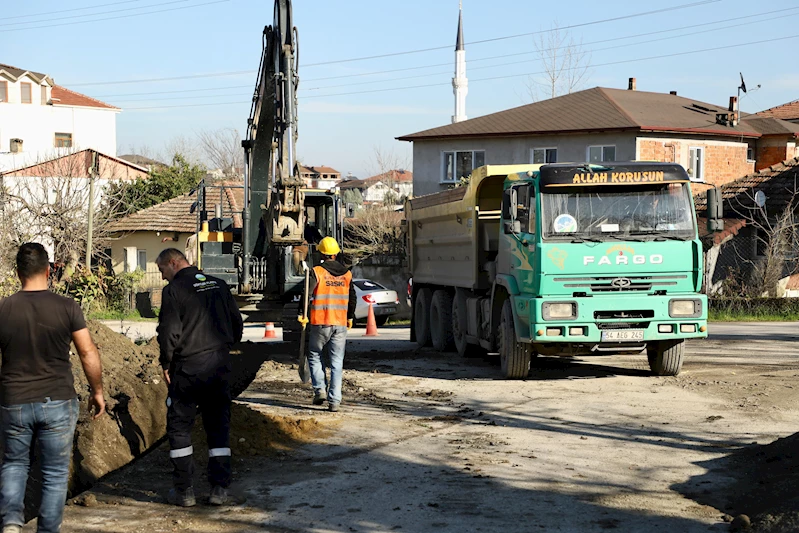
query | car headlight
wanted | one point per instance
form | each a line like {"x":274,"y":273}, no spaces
{"x":559,"y":310}
{"x":685,"y":308}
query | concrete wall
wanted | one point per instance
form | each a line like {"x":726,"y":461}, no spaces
{"x":391,"y":274}
{"x":37,"y":124}
{"x":150,"y":242}
{"x":428,"y":155}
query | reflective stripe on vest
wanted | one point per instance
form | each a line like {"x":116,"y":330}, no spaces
{"x":331,"y":298}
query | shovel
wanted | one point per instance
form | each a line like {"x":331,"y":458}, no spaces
{"x":302,"y":358}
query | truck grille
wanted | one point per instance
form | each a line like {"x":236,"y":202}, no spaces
{"x":620,"y":283}
{"x":628,"y":315}
{"x":622,"y":325}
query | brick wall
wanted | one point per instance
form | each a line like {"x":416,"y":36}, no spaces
{"x":724,"y":161}
{"x":771,"y":152}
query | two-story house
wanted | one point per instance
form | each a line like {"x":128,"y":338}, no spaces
{"x":714,"y":143}
{"x":40,"y":120}
{"x":394,"y":184}
{"x":320,"y":177}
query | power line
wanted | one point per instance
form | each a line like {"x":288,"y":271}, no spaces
{"x":178,"y":91}
{"x":648,"y":41}
{"x":683,"y":6}
{"x":193,"y":76}
{"x":470,"y":61}
{"x":114,"y":18}
{"x":73,"y":9}
{"x":571,"y":26}
{"x":97,"y":14}
{"x":620,"y":62}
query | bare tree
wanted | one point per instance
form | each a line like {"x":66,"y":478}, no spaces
{"x":184,"y":146}
{"x":566,"y":65}
{"x":375,"y":230}
{"x":222,"y":149}
{"x":49,"y":204}
{"x":386,"y":164}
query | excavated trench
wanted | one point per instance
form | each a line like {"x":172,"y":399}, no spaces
{"x":136,"y":420}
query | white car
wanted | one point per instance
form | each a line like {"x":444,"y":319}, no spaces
{"x":384,"y":301}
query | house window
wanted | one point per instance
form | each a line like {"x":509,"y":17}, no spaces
{"x":601,"y":154}
{"x":457,"y":165}
{"x":3,"y":91}
{"x":544,"y":155}
{"x":44,"y":95}
{"x":696,"y":164}
{"x":141,"y":259}
{"x":750,"y":154}
{"x":26,"y":93}
{"x":63,"y":140}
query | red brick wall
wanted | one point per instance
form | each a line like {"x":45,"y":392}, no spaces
{"x":770,"y":155}
{"x":724,"y":162}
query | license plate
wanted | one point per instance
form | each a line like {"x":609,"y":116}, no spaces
{"x":623,"y":335}
{"x":385,"y":310}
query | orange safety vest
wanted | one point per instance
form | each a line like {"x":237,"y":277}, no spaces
{"x":331,"y":298}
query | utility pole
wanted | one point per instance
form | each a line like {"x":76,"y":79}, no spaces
{"x":93,"y":171}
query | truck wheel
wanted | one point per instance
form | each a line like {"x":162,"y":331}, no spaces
{"x":441,"y":321}
{"x":514,"y":356}
{"x":463,"y":348}
{"x":381,"y":320}
{"x":421,"y":317}
{"x":665,"y":357}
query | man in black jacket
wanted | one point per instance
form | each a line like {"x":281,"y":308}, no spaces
{"x":198,"y":322}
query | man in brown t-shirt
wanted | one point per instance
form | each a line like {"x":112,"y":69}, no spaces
{"x":37,"y":392}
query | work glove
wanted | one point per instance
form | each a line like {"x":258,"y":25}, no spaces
{"x":302,"y":320}
{"x":349,"y":323}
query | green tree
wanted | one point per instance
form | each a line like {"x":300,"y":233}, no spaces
{"x":352,"y":196}
{"x":163,"y":184}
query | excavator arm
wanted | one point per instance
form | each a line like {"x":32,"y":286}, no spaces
{"x":273,"y":213}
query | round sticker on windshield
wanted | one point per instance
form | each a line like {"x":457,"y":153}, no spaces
{"x":565,"y":224}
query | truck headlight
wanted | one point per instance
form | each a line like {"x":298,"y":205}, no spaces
{"x":685,"y":308}
{"x":559,"y":310}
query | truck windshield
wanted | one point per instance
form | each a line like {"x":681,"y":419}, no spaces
{"x":658,"y":211}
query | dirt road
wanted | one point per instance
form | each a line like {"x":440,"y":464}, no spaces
{"x":430,"y":442}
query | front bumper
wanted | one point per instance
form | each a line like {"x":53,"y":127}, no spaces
{"x":641,"y":318}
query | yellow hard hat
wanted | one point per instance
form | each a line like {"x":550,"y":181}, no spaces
{"x":328,"y":246}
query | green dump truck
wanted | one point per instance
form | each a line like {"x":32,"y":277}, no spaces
{"x":561,"y":259}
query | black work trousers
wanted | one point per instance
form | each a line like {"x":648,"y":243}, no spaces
{"x":203,"y":384}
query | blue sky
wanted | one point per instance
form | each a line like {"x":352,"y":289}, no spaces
{"x":182,"y":38}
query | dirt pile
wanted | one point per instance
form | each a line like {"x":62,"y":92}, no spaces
{"x":254,"y":433}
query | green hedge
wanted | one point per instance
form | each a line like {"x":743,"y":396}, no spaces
{"x":786,"y":307}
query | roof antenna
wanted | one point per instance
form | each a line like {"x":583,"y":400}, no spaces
{"x":742,"y":87}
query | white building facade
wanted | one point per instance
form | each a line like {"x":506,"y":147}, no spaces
{"x":40,"y":120}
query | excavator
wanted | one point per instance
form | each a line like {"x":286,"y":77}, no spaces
{"x":282,"y":220}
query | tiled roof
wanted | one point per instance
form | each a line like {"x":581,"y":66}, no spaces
{"x":731,"y":228}
{"x":63,"y":96}
{"x":597,"y":109}
{"x":175,"y":214}
{"x":15,"y":73}
{"x":793,"y":283}
{"x":76,"y":164}
{"x":789,"y":111}
{"x":778,"y":182}
{"x":771,"y":125}
{"x":396,"y":176}
{"x":318,"y":170}
{"x":141,"y":160}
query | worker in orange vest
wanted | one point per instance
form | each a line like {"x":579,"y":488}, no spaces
{"x":332,"y":312}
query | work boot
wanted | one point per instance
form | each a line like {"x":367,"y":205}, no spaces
{"x":319,"y":397}
{"x":12,"y":528}
{"x":332,"y":407}
{"x":182,"y":498}
{"x":218,"y":496}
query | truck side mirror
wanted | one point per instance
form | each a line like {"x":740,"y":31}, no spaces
{"x":715,"y":210}
{"x":514,"y":200}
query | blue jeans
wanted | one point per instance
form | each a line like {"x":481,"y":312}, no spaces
{"x":53,"y":424}
{"x":334,"y":338}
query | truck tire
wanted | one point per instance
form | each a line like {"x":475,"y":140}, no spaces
{"x":421,"y":317}
{"x":514,"y":356}
{"x":464,"y":348}
{"x":441,"y":321}
{"x":665,"y":357}
{"x":381,"y":320}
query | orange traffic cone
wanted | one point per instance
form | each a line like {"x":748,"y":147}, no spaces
{"x":269,"y":332}
{"x":371,"y":325}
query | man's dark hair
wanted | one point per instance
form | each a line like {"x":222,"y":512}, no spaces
{"x":32,"y":260}
{"x":170,"y":254}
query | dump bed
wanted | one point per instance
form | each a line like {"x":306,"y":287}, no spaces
{"x":454,"y":234}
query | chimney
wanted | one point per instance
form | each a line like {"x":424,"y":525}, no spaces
{"x":734,"y":112}
{"x":16,"y":146}
{"x":631,"y":86}
{"x":673,"y":93}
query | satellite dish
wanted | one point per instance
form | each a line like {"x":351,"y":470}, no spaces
{"x":760,"y":198}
